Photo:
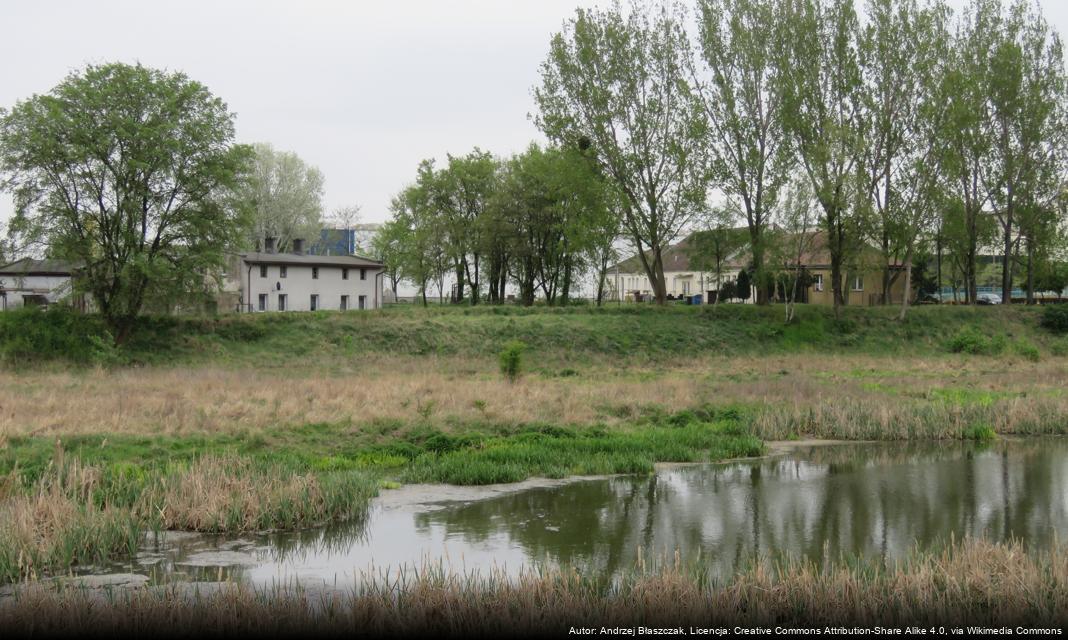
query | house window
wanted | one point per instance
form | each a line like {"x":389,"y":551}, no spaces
{"x":858,"y":283}
{"x":263,"y":271}
{"x":344,"y":303}
{"x":819,"y":282}
{"x":315,"y":273}
{"x":281,"y":302}
{"x":344,"y":274}
{"x":314,"y":302}
{"x":363,"y":274}
{"x":363,"y":302}
{"x":263,"y":302}
{"x":282,"y":271}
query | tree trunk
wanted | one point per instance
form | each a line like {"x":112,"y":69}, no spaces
{"x":1030,"y":272}
{"x":757,"y":242}
{"x":659,"y":284}
{"x":460,"y":268}
{"x":565,"y":291}
{"x":908,"y":284}
{"x":938,"y":262}
{"x":1006,"y":262}
{"x":835,"y":242}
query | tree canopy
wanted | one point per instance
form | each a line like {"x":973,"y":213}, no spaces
{"x":125,"y":170}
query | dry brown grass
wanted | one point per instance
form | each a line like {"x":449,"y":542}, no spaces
{"x":232,"y":494}
{"x":971,"y":583}
{"x":58,"y":524}
{"x":810,"y":394}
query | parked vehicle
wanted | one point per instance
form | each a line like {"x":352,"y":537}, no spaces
{"x":987,"y":298}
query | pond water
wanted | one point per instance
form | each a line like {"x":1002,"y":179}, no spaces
{"x":817,"y":502}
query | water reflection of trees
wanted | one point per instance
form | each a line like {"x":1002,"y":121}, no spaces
{"x":878,"y":501}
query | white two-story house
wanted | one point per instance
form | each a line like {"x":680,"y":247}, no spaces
{"x":295,"y":281}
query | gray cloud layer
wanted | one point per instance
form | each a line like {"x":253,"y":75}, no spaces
{"x":364,"y":90}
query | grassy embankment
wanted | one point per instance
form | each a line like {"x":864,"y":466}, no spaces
{"x":287,"y":420}
{"x":970,"y":583}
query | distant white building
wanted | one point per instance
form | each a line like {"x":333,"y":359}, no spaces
{"x":681,"y":278}
{"x":272,"y":281}
{"x":29,"y":282}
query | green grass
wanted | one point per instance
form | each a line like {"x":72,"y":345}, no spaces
{"x":570,"y":333}
{"x":475,"y":453}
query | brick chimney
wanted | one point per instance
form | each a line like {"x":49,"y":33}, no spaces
{"x":298,"y":246}
{"x":268,"y":244}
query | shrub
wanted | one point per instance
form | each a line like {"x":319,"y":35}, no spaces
{"x":1059,"y":348}
{"x":969,"y":340}
{"x":979,"y":433}
{"x":30,"y":335}
{"x":1055,"y":318}
{"x":1028,"y":350}
{"x":511,"y":358}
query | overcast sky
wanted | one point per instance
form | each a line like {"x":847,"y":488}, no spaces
{"x":363,"y":89}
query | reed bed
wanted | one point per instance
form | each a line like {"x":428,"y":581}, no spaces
{"x":77,"y":514}
{"x":967,"y":583}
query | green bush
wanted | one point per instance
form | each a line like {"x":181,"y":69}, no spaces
{"x":1055,"y":318}
{"x":979,"y":433}
{"x":511,"y":358}
{"x":1028,"y":350}
{"x":1059,"y":348}
{"x":30,"y":335}
{"x":969,"y":340}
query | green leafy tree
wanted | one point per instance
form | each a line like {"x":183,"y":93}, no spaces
{"x":820,"y":80}
{"x":799,"y":218}
{"x":710,"y":247}
{"x":413,"y":236}
{"x":388,"y":246}
{"x":554,"y":216}
{"x":748,"y":149}
{"x":282,"y":198}
{"x":1025,"y":89}
{"x":615,"y":82}
{"x":966,"y":144}
{"x":901,"y":48}
{"x":460,"y":194}
{"x":124,"y":169}
{"x":743,"y":286}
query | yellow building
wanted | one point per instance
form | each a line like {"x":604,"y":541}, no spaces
{"x":862,"y":282}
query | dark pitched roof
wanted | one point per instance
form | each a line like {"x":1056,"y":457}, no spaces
{"x":818,"y":255}
{"x":31,"y":267}
{"x":311,"y":260}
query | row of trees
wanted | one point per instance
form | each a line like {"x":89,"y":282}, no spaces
{"x":909,"y":127}
{"x":539,"y":219}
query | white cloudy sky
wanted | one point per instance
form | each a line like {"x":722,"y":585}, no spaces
{"x":362,"y":89}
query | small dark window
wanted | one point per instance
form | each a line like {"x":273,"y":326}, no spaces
{"x":344,"y":274}
{"x":263,"y":271}
{"x":344,"y":303}
{"x":281,"y":302}
{"x":263,"y":302}
{"x":363,"y":274}
{"x":315,"y":273}
{"x":314,"y":302}
{"x":363,"y":302}
{"x":282,"y":271}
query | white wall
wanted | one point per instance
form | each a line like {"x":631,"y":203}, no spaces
{"x":699,"y":283}
{"x":299,"y":285}
{"x":54,"y":288}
